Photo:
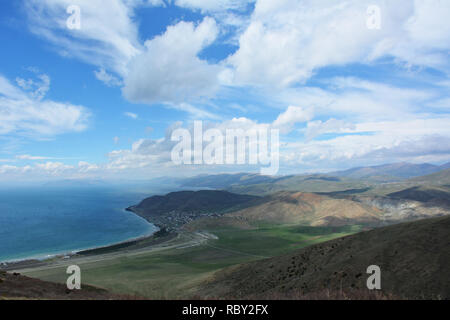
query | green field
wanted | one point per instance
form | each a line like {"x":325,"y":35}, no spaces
{"x":174,"y":273}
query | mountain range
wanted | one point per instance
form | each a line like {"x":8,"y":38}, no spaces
{"x":356,"y":179}
{"x":393,"y":172}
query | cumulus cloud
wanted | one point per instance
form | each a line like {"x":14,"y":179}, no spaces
{"x":169,"y":70}
{"x":291,"y":116}
{"x":107,"y":38}
{"x":287,"y":41}
{"x":165,"y":69}
{"x":30,"y":114}
{"x":85,"y":167}
{"x":282,"y":44}
{"x":144,"y":153}
{"x":53,"y":168}
{"x":317,"y":128}
{"x":383,"y":142}
{"x":156,"y":153}
{"x":417,"y":140}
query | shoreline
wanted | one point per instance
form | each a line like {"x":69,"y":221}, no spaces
{"x":44,"y":258}
{"x":4,"y":265}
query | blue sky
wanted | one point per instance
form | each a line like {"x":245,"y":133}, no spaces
{"x":345,"y":85}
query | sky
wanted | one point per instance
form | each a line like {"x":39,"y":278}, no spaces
{"x":94,"y":89}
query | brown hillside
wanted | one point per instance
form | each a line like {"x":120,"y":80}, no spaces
{"x":309,"y":208}
{"x":18,"y":287}
{"x":413,"y":257}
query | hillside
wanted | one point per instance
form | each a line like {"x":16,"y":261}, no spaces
{"x":413,"y":258}
{"x":436,"y":196}
{"x":16,"y":286}
{"x":309,"y":209}
{"x":178,"y":208}
{"x":438,"y":178}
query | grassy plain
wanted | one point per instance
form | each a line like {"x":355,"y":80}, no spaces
{"x":175,"y":273}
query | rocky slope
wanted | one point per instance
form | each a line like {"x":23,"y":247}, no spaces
{"x":409,"y":204}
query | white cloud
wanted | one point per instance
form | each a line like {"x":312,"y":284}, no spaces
{"x":170,"y":70}
{"x":383,"y":142}
{"x":144,"y":153}
{"x":38,"y":89}
{"x":29,"y":157}
{"x":107,"y":37}
{"x":291,"y":116}
{"x":50,"y":170}
{"x":418,"y":140}
{"x":284,"y":43}
{"x":53,"y":168}
{"x":195,"y":113}
{"x":107,"y":78}
{"x":27,"y":114}
{"x":131,"y":115}
{"x":355,"y":99}
{"x":85,"y":167}
{"x":287,"y":41}
{"x":4,"y":169}
{"x":317,"y":128}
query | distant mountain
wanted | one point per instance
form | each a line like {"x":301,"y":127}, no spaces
{"x":355,"y":179}
{"x":301,"y":183}
{"x":413,"y":258}
{"x":224,"y":181}
{"x":445,"y":166}
{"x":390,"y":172}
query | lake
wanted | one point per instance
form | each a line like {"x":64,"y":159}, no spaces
{"x":45,"y":221}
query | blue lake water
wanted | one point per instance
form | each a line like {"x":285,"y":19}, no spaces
{"x":40,"y":222}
